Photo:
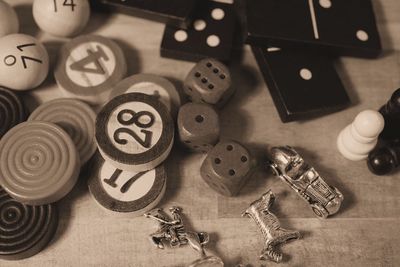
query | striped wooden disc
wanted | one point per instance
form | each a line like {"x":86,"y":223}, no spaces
{"x":39,"y":163}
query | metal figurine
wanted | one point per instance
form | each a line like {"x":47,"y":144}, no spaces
{"x":174,"y":231}
{"x":288,"y":165}
{"x":270,"y":227}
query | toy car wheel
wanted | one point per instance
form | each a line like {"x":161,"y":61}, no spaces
{"x":338,"y":193}
{"x":320,"y":211}
{"x":274,"y":169}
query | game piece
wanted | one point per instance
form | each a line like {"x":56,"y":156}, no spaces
{"x":24,"y":230}
{"x":24,"y":62}
{"x":177,"y":13}
{"x":76,"y":118}
{"x":295,"y":79}
{"x":384,"y":159}
{"x":9,"y":23}
{"x":174,"y":231}
{"x":209,"y":82}
{"x":208,"y":261}
{"x":211,"y":34}
{"x":131,"y":193}
{"x":64,"y":18}
{"x":339,"y":27}
{"x":391,"y":113}
{"x":227,"y":167}
{"x":39,"y":163}
{"x":134,"y":132}
{"x":359,"y":138}
{"x":150,"y":84}
{"x":198,"y":126}
{"x":12,"y":110}
{"x":274,"y":235}
{"x":291,"y":168}
{"x":88,"y":67}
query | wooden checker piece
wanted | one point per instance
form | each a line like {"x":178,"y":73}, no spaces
{"x":39,"y":163}
{"x":12,"y":110}
{"x":24,"y":230}
{"x":134,"y":132}
{"x":76,"y":118}
{"x":125,"y":192}
{"x":88,"y":67}
{"x":150,"y":84}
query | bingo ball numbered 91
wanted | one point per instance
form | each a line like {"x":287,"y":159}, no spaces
{"x":24,"y":62}
{"x":8,"y":19}
{"x":134,"y":132}
{"x":126,"y":192}
{"x":88,"y":67}
{"x":63,"y":18}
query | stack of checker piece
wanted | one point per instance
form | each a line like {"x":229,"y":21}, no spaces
{"x":295,"y":44}
{"x":41,"y":159}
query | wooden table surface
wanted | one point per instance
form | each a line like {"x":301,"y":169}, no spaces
{"x":365,"y":232}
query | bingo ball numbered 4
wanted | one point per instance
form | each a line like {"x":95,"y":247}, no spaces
{"x":24,"y":62}
{"x":8,"y":19}
{"x":39,"y":163}
{"x":125,"y":192}
{"x":88,"y":67}
{"x":65,"y":18}
{"x":134,"y":132}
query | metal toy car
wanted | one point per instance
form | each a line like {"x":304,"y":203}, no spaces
{"x":288,"y":165}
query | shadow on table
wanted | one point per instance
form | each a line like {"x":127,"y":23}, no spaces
{"x":386,"y":39}
{"x":132,"y":57}
{"x":26,"y":20}
{"x":66,"y":204}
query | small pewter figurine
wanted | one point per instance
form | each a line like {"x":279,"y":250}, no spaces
{"x":270,"y":227}
{"x":288,"y":165}
{"x":174,"y":231}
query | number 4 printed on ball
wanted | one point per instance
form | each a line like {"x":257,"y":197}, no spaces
{"x":66,"y":3}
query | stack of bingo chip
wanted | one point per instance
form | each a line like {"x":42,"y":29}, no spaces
{"x":134,"y":134}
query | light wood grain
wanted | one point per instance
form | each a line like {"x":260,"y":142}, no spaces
{"x":364,"y":233}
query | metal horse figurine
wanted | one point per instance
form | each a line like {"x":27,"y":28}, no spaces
{"x":270,"y":227}
{"x":174,"y":231}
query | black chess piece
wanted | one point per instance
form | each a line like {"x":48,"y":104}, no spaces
{"x":385,"y":159}
{"x":391,"y":113}
{"x":393,"y":105}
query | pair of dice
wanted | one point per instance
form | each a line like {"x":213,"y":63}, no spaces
{"x":207,"y":85}
{"x":228,"y":164}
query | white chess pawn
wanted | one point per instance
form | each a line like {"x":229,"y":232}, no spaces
{"x":359,"y":138}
